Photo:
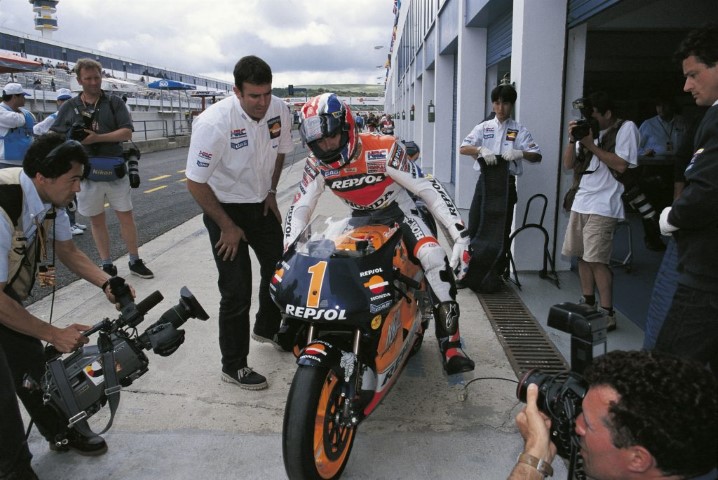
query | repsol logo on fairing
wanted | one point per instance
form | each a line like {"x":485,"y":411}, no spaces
{"x":315,"y":313}
{"x":371,"y":272}
{"x":352,"y":183}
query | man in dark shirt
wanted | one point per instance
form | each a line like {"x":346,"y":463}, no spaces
{"x":691,"y":327}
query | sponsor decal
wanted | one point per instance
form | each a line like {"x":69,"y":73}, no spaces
{"x":397,"y":160}
{"x":238,"y":133}
{"x":488,"y":129}
{"x":238,"y":145}
{"x":393,"y":330}
{"x":511,"y":134}
{"x":442,"y":193}
{"x":316,"y":349}
{"x":277,"y":277}
{"x":349,"y":170}
{"x":202,"y":164}
{"x":376,"y":284}
{"x":356,"y":182}
{"x":415,"y":227}
{"x":95,"y":373}
{"x":377,"y":154}
{"x":275,"y":127}
{"x":371,"y":272}
{"x":376,"y":167}
{"x":330,"y":173}
{"x":377,"y":204}
{"x":205,"y":155}
{"x":379,"y":297}
{"x":380,"y":307}
{"x":316,"y":313}
{"x":488,"y":135}
{"x":376,"y":322}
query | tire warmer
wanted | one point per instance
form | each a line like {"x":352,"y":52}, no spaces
{"x":488,"y":243}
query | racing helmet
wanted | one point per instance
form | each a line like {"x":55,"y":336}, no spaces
{"x":324,"y":116}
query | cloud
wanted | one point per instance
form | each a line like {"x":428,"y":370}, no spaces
{"x":304,"y":41}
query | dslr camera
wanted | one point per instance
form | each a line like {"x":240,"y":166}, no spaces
{"x":77,"y":130}
{"x":586,"y":123}
{"x":560,"y":395}
{"x":79,"y":385}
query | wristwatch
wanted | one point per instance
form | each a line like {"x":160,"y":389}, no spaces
{"x":272,"y":191}
{"x":539,"y":464}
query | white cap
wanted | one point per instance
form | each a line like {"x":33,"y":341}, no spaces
{"x":14,"y":89}
{"x":64,"y":94}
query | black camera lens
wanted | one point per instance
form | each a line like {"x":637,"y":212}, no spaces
{"x":559,"y":397}
{"x":581,"y":129}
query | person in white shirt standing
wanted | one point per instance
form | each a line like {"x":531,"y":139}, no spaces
{"x":234,"y":163}
{"x":598,"y":206}
{"x":499,"y":137}
{"x":16,"y":125}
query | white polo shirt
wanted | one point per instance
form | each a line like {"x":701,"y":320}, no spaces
{"x":236,"y":155}
{"x":502,"y":137}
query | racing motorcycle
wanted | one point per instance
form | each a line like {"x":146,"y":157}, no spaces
{"x":359,"y":307}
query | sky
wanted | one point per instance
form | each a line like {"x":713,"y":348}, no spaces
{"x":306,"y":42}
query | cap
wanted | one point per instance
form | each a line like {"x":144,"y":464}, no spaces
{"x":64,"y":94}
{"x":14,"y":89}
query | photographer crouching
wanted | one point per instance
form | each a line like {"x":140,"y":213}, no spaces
{"x":644,"y":415}
{"x":32,"y":201}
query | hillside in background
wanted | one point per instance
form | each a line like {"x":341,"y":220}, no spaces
{"x":347,"y":89}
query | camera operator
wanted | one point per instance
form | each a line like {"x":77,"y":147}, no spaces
{"x":645,"y":415}
{"x":598,"y":206}
{"x":101,"y":123}
{"x":32,"y":202}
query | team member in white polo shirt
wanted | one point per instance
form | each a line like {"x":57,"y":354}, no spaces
{"x":233,"y":166}
{"x":15,"y":126}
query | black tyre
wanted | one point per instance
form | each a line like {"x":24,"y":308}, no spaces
{"x":314,"y":444}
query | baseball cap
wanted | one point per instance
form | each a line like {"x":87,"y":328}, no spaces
{"x":14,"y":89}
{"x":64,"y":94}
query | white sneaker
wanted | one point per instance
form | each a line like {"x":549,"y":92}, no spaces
{"x":76,"y":230}
{"x":80,"y":226}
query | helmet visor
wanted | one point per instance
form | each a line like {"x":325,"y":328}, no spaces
{"x":320,"y":126}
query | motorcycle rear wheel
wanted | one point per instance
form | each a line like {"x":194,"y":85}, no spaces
{"x":314,"y":444}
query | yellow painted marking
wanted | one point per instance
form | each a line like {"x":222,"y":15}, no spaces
{"x":155,"y":189}
{"x":161,"y":177}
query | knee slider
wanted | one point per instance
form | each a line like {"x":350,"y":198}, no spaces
{"x":446,"y":316}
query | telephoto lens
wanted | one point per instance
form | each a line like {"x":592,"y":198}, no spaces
{"x":134,"y":172}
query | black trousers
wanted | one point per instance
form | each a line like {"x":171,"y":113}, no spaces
{"x":475,"y":218}
{"x":264,"y":236}
{"x":22,"y":355}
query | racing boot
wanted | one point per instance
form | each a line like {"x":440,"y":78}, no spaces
{"x":454,"y":359}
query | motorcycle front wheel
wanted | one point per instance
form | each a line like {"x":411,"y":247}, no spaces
{"x":314,"y":443}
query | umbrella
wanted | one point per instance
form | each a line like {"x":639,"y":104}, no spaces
{"x":16,"y":63}
{"x":171,"y":85}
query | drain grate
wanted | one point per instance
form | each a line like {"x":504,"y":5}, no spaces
{"x":522,"y":337}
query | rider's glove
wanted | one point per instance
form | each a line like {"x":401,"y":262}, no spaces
{"x":488,"y":155}
{"x":460,"y":257}
{"x":512,"y":155}
{"x":666,"y":228}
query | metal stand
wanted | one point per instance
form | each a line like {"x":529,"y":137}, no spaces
{"x":547,"y":259}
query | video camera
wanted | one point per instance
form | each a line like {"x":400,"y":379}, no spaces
{"x":586,"y":123}
{"x":560,"y":396}
{"x":79,"y":385}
